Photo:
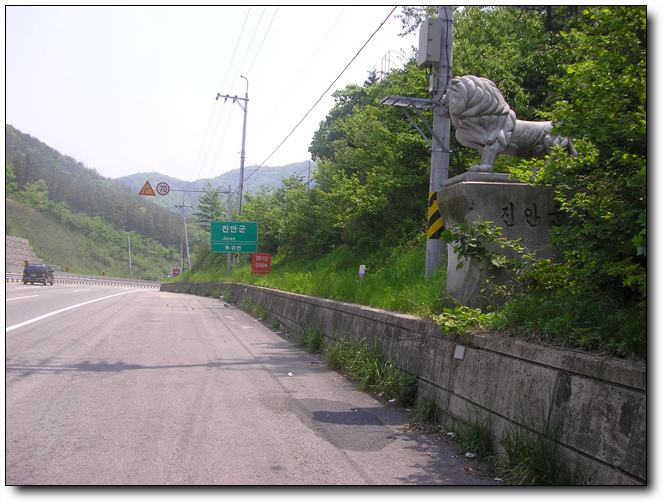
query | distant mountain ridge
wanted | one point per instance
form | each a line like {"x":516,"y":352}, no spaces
{"x":255,"y":178}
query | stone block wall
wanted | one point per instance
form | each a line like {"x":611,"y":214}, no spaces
{"x":18,"y":250}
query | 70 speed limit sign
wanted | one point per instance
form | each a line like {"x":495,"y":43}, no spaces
{"x":163,"y":188}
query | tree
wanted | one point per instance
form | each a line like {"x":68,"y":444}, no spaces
{"x":10,"y":184}
{"x":605,"y":190}
{"x":35,"y":194}
{"x":209,"y":208}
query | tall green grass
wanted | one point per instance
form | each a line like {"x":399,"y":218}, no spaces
{"x":374,"y":374}
{"x":394,"y":279}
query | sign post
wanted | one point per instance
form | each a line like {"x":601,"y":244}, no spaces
{"x":362,"y":272}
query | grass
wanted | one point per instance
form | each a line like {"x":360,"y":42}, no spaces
{"x":251,"y":306}
{"x":425,"y":411}
{"x":311,"y":339}
{"x":61,"y":245}
{"x":592,"y":323}
{"x":533,"y":458}
{"x":394,"y":279}
{"x":374,"y":374}
{"x":475,"y":438}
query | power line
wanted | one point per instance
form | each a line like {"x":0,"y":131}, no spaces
{"x":324,"y":93}
{"x":297,"y":79}
{"x":261,"y":43}
{"x":236,"y":47}
{"x":248,"y":12}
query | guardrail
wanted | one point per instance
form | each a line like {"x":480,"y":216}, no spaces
{"x":14,"y":277}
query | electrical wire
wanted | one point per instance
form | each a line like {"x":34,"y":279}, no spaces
{"x":196,"y":166}
{"x":322,"y":96}
{"x":236,"y":47}
{"x":298,"y":78}
{"x":261,"y":43}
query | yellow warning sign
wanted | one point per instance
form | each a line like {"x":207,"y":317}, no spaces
{"x":147,"y":189}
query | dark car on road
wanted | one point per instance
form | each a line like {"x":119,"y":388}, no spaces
{"x":36,"y":272}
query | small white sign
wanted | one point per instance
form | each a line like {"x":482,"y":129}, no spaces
{"x":362,"y":270}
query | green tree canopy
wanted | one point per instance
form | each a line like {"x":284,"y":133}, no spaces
{"x":209,"y":208}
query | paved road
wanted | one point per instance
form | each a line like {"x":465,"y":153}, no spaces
{"x":135,"y":387}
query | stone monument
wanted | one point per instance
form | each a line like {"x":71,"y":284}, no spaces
{"x":484,"y":121}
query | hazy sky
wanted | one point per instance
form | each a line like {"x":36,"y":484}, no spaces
{"x":132,"y":89}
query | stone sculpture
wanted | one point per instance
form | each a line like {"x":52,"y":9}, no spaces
{"x":484,"y":121}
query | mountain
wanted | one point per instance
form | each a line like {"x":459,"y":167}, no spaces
{"x":74,"y":187}
{"x":255,"y":178}
{"x":76,"y":219}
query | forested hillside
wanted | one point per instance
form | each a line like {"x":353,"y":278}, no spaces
{"x":33,"y":167}
{"x":77,"y":219}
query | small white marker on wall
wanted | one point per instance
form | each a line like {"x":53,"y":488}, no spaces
{"x":460,"y":352}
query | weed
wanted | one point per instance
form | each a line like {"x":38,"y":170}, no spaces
{"x":374,"y":374}
{"x":229,"y":296}
{"x":460,"y":319}
{"x":533,"y":458}
{"x":251,"y":306}
{"x":311,"y":339}
{"x":425,"y":411}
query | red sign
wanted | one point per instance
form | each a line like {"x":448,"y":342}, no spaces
{"x":261,"y":263}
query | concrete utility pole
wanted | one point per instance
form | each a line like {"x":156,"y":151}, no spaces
{"x":439,"y":172}
{"x":242,"y":157}
{"x":184,"y":238}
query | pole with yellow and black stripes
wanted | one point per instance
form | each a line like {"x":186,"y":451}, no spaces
{"x":435,"y":222}
{"x":439,"y":172}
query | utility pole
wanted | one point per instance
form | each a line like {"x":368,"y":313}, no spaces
{"x":230,"y":216}
{"x":129,"y":240}
{"x":439,"y":172}
{"x":308,"y":180}
{"x":242,"y":157}
{"x":435,"y":52}
{"x":182,"y":239}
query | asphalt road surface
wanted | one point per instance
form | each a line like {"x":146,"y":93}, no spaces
{"x":122,"y":386}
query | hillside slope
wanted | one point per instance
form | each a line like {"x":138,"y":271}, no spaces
{"x":59,"y":245}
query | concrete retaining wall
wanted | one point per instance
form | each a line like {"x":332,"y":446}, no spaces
{"x":600,"y":402}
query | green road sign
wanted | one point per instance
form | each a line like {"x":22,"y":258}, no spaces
{"x":240,"y":247}
{"x":234,"y":236}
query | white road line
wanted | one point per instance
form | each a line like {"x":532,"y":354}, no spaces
{"x":20,"y":298}
{"x":25,"y":323}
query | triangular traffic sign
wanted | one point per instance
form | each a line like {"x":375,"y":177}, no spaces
{"x":147,"y":189}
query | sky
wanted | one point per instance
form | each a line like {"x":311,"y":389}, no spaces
{"x":127,"y":89}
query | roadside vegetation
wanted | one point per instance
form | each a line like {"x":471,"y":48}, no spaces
{"x":584,"y":68}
